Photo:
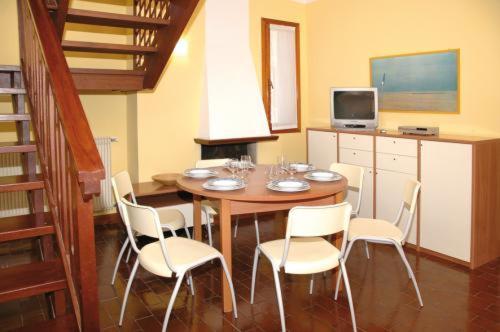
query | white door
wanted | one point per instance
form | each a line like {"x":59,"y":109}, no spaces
{"x":390,"y":186}
{"x":366,"y":208}
{"x":322,"y":148}
{"x":445,"y":202}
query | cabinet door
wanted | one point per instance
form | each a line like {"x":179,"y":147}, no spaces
{"x":366,"y":208}
{"x":389,"y":193}
{"x":445,"y":202}
{"x":321,"y":148}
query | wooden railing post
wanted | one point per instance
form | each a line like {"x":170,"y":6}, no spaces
{"x":87,"y":259}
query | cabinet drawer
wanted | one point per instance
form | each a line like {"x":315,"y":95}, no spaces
{"x":397,"y":163}
{"x":401,"y":146}
{"x":356,"y":157}
{"x":358,"y":142}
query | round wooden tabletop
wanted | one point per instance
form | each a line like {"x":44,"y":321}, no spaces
{"x":256,"y":190}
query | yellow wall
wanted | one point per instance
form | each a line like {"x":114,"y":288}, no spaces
{"x":168,"y":117}
{"x":343,"y":35}
{"x":156,"y":128}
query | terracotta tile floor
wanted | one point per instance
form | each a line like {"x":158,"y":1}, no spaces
{"x":455,"y":299}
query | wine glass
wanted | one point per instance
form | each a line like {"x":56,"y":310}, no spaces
{"x":292,"y":169}
{"x":282,"y":163}
{"x":246,"y":160}
{"x":272,"y":172}
{"x":233,"y":166}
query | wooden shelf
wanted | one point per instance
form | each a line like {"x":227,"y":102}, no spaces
{"x":205,"y":141}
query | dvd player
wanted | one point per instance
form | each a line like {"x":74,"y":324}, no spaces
{"x":414,"y":130}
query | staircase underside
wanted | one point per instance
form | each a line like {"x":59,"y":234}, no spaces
{"x":107,"y":79}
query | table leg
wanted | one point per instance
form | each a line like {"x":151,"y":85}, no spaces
{"x":339,"y":198}
{"x":197,"y":217}
{"x":225,"y":240}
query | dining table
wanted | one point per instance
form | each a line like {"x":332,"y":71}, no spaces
{"x":255,"y":197}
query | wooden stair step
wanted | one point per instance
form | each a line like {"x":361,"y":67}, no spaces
{"x":20,"y":183}
{"x":14,"y":117}
{"x":12,"y":91}
{"x":9,"y":147}
{"x":88,"y":79}
{"x":32,"y":279}
{"x":60,"y":323}
{"x":22,"y":227}
{"x":9,"y":68}
{"x":114,"y":20}
{"x":81,"y":46}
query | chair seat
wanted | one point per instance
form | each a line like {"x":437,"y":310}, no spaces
{"x":305,"y":256}
{"x":362,"y":227}
{"x":172,"y":218}
{"x":210,"y":206}
{"x":184,"y":254}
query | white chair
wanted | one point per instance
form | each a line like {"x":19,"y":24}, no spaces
{"x":210,"y":208}
{"x":304,"y":250}
{"x":354,"y":175}
{"x":385,"y":232}
{"x":166,"y":257}
{"x":170,"y":219}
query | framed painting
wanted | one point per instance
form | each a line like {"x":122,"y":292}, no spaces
{"x":426,"y":82}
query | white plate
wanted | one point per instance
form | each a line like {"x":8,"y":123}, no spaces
{"x":200,"y":173}
{"x":224,"y":184}
{"x":323,"y":175}
{"x":290,"y":185}
{"x":302,"y":167}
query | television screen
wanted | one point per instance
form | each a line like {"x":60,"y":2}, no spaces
{"x":355,"y":105}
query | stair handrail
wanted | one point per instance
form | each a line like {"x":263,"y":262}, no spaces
{"x":88,"y":166}
{"x":70,"y":163}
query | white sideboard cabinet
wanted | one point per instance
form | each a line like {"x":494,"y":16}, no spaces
{"x":458,"y":214}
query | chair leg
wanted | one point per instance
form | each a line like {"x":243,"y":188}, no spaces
{"x":209,"y":229}
{"x":348,"y":251}
{"x":128,"y":254}
{"x":257,"y":233}
{"x":120,"y":255}
{"x":412,"y":276}
{"x":190,"y":282}
{"x":349,"y":295}
{"x":186,"y":229}
{"x":236,"y":226}
{"x":280,"y":300}
{"x":254,"y":273}
{"x":172,"y":300}
{"x":231,"y":287}
{"x":127,"y":291}
{"x":311,"y":284}
{"x":367,"y":250}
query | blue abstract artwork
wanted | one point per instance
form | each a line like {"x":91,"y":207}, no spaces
{"x":425,"y":82}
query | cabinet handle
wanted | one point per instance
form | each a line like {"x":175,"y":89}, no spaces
{"x":354,"y":153}
{"x":394,"y":142}
{"x":354,"y":137}
{"x":393,"y":158}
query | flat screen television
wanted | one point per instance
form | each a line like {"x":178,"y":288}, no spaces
{"x":354,"y":108}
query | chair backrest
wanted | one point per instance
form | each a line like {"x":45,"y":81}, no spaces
{"x":122,"y":186}
{"x":410,"y":195}
{"x":354,"y":175}
{"x":145,"y":221}
{"x":211,"y":162}
{"x":312,"y":221}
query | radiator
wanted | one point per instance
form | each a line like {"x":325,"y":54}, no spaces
{"x":105,"y":200}
{"x":16,"y":203}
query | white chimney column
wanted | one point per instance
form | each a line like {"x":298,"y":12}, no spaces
{"x":232,"y":104}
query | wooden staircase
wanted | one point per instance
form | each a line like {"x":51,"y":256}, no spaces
{"x":46,"y":276}
{"x":157,"y":26}
{"x":69,"y":170}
